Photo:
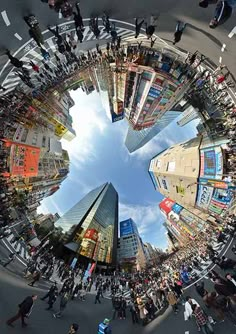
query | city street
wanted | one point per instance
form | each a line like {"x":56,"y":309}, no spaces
{"x":37,"y":164}
{"x":14,"y":289}
{"x":214,"y":44}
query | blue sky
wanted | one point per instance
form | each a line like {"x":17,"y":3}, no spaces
{"x":98,"y":155}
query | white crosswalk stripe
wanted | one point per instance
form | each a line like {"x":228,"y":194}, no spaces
{"x":12,"y":80}
{"x":18,"y":247}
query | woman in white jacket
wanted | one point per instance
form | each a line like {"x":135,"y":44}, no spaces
{"x":188,"y":308}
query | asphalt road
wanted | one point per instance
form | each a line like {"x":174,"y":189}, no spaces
{"x":14,"y":33}
{"x":197,"y":35}
{"x":13,"y":288}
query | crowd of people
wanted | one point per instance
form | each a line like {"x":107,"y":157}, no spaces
{"x":151,"y":291}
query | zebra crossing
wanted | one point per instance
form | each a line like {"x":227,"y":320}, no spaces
{"x":17,"y":247}
{"x":31,"y":52}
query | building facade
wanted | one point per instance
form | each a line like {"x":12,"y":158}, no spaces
{"x":174,"y":172}
{"x":131,"y":247}
{"x":137,"y":139}
{"x":193,"y":175}
{"x":188,"y":115}
{"x":93,"y":226}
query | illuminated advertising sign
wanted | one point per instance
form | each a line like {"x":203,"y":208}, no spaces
{"x":211,"y":162}
{"x":91,"y":234}
{"x":204,"y":196}
{"x":222,"y":196}
{"x":126,"y":227}
{"x":166,"y":205}
{"x":177,"y":208}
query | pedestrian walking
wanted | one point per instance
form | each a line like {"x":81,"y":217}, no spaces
{"x":172,"y":300}
{"x":79,"y":34}
{"x":36,"y":277}
{"x":45,"y":54}
{"x":78,"y":18}
{"x":104,"y":327}
{"x":106,"y":23}
{"x":152,"y":41}
{"x":202,"y":320}
{"x":150,"y":29}
{"x":138,"y":26}
{"x":63,"y":303}
{"x":47,"y":67}
{"x":50,"y":291}
{"x":24,"y":311}
{"x":73,"y":329}
{"x":55,"y":32}
{"x":98,"y":294}
{"x":180,"y":26}
{"x":14,"y":61}
{"x":12,"y":257}
{"x":113,"y":33}
{"x":223,"y":11}
{"x":34,"y":66}
{"x":134,"y":312}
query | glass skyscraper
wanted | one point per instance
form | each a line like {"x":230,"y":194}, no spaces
{"x":91,"y":225}
{"x":137,"y":139}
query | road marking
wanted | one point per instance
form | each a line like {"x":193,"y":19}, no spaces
{"x":5,"y":18}
{"x":199,"y":279}
{"x":60,"y":15}
{"x":223,"y":47}
{"x":18,"y":36}
{"x":186,"y":332}
{"x":232,"y":32}
{"x":18,"y":258}
{"x":220,"y":60}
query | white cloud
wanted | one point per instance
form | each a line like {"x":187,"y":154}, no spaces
{"x":148,"y":151}
{"x":89,"y":122}
{"x":145,"y":216}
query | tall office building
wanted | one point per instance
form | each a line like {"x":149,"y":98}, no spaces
{"x":188,"y":116}
{"x":131,"y":248}
{"x":174,"y":172}
{"x":92,"y":225}
{"x":137,"y":139}
{"x":192,"y":174}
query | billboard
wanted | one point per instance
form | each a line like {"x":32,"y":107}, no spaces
{"x":211,"y":162}
{"x":166,"y":205}
{"x":126,"y":227}
{"x":204,"y":196}
{"x":91,"y":234}
{"x":177,"y":208}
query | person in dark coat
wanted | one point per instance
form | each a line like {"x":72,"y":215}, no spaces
{"x":200,"y":289}
{"x":179,"y":31}
{"x":24,"y":310}
{"x":14,"y":61}
{"x":224,"y":288}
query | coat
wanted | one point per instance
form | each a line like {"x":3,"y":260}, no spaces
{"x":141,"y":311}
{"x":171,"y":298}
{"x":26,"y":305}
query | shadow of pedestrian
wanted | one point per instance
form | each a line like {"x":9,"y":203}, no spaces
{"x":207,"y":34}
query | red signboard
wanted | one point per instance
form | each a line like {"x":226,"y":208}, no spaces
{"x":91,"y":234}
{"x":166,"y":205}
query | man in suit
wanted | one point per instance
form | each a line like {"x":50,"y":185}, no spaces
{"x":24,"y":310}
